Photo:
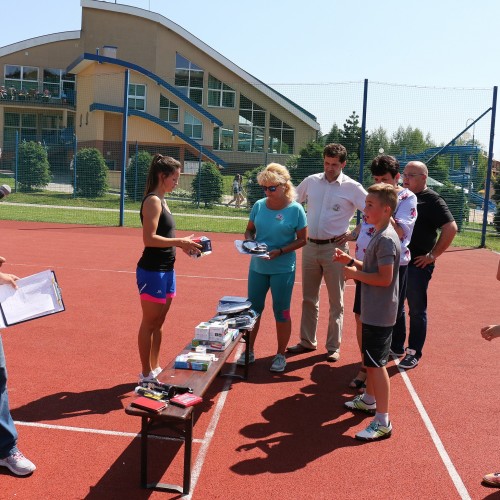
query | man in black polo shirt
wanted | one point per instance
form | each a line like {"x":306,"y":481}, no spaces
{"x":425,"y":248}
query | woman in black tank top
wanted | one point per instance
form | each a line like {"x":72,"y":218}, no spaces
{"x":155,"y":269}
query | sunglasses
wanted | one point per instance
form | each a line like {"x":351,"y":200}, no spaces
{"x":272,"y":189}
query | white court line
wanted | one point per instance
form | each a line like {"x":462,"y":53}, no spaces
{"x":455,"y":476}
{"x":94,"y":431}
{"x":209,"y":434}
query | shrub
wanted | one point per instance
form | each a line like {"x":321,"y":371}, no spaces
{"x":136,"y":175}
{"x":33,"y":168}
{"x":91,"y":173}
{"x":253,"y":190}
{"x":207,"y":185}
{"x":456,"y":200}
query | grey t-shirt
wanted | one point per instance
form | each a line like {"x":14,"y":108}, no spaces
{"x":379,"y":304}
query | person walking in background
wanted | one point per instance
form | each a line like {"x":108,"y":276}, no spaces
{"x":489,"y":333}
{"x":10,"y":456}
{"x":237,"y":188}
{"x":155,"y":270}
{"x":385,"y":169}
{"x":425,"y":247}
{"x":332,"y":199}
{"x":280,"y":222}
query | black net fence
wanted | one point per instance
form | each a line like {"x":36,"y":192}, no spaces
{"x":80,"y":161}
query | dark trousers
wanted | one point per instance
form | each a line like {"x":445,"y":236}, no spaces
{"x":416,"y":296}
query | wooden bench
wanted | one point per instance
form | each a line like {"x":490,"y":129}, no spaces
{"x":180,"y":420}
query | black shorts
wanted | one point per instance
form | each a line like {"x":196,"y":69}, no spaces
{"x":375,"y":345}
{"x":356,"y":308}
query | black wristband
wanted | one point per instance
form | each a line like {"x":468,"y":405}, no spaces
{"x":351,"y":262}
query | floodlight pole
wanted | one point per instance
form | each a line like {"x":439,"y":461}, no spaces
{"x":363,"y":141}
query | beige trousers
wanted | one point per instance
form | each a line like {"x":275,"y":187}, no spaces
{"x":317,"y":264}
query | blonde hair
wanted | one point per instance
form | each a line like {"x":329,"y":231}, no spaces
{"x":275,"y":173}
{"x":386,"y":194}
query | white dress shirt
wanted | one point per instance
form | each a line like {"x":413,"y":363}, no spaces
{"x":330,"y":205}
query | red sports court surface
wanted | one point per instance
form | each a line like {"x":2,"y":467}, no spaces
{"x":276,"y":435}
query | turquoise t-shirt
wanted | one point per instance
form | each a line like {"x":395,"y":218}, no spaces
{"x":276,"y":228}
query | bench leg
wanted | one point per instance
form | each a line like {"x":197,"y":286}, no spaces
{"x":188,"y":450}
{"x":144,"y":452}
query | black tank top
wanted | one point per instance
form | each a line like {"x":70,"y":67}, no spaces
{"x":159,"y":259}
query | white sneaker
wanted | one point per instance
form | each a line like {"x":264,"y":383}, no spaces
{"x":157,"y":371}
{"x":18,"y":464}
{"x":279,"y":363}
{"x":374,"y":432}
{"x":149,"y":379}
{"x":241,"y":359}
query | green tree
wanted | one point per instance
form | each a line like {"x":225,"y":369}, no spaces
{"x":310,"y":161}
{"x":207,"y":185}
{"x":496,"y":198}
{"x":377,"y":140}
{"x":33,"y":167}
{"x":456,"y":201}
{"x":136,"y":175}
{"x":333,"y":136}
{"x":91,"y":173}
{"x":409,"y":141}
{"x":350,"y":135}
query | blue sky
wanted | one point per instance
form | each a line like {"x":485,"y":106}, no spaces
{"x":438,"y":43}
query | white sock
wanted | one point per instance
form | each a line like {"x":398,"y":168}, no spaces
{"x":382,"y":418}
{"x":368,"y":399}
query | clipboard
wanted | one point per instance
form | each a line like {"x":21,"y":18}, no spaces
{"x":37,"y":296}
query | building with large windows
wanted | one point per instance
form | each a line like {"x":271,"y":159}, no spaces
{"x":178,"y":93}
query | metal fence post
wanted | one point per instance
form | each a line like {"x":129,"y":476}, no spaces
{"x":363,"y":141}
{"x":124,"y":147}
{"x":16,"y":161}
{"x":490,"y":166}
{"x":136,"y":169}
{"x":75,"y":151}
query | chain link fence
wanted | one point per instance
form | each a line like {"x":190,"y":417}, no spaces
{"x":70,"y":163}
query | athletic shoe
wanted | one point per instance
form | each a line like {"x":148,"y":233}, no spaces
{"x":398,"y":354}
{"x":410,"y":360}
{"x":241,"y":359}
{"x":279,"y":363}
{"x":333,"y":356}
{"x":157,"y":371}
{"x":150,"y":379}
{"x":358,"y":404}
{"x":374,"y":432}
{"x":18,"y":464}
{"x":299,"y":349}
{"x":492,"y":479}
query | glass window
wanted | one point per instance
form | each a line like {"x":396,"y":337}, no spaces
{"x":281,"y":136}
{"x":189,"y":78}
{"x":223,"y":139}
{"x":220,"y":94}
{"x":23,"y":123}
{"x":252,"y":123}
{"x":137,"y":96}
{"x":192,"y":126}
{"x":169,"y":111}
{"x":21,"y":77}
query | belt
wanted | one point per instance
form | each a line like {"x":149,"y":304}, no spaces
{"x":323,"y":242}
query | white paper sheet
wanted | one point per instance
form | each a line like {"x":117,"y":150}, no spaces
{"x":37,"y":295}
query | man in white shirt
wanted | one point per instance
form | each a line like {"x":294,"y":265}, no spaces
{"x":332,"y":199}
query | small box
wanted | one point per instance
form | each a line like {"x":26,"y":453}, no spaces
{"x":217,"y":331}
{"x":202,"y":331}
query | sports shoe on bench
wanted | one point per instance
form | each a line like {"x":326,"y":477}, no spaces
{"x":18,"y":464}
{"x":358,"y":404}
{"x":279,"y":363}
{"x":374,"y":432}
{"x":241,"y":359}
{"x":150,"y":379}
{"x":410,"y":360}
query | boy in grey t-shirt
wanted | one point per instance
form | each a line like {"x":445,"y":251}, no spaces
{"x":378,"y":275}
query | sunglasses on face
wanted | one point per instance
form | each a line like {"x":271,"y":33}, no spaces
{"x":272,"y":189}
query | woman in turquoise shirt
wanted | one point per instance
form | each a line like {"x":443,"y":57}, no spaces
{"x":280,"y":222}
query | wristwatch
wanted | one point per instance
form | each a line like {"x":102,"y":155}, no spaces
{"x":431,"y":256}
